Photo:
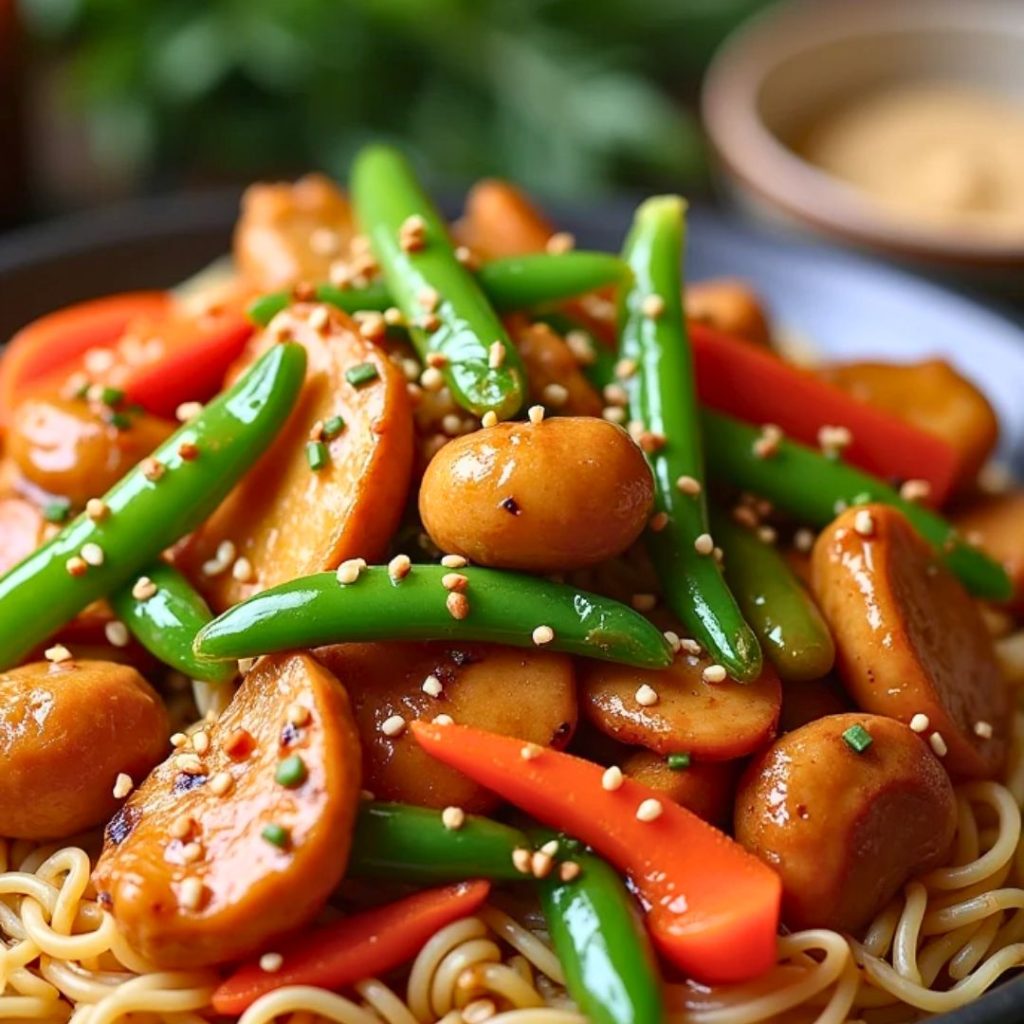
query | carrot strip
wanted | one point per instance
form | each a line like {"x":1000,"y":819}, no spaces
{"x":752,"y":384}
{"x":365,"y":945}
{"x":712,"y":908}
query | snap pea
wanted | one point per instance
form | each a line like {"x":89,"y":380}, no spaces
{"x":662,"y":396}
{"x":188,"y":476}
{"x":515,"y":282}
{"x":394,"y":840}
{"x":814,"y":489}
{"x":463,"y":326}
{"x":501,"y":607}
{"x":609,"y":967}
{"x":792,"y":632}
{"x":166,"y":623}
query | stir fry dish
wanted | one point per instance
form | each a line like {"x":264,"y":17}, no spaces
{"x":408,"y":621}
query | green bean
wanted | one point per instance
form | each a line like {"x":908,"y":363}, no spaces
{"x":662,"y":396}
{"x":500,"y":607}
{"x":516,"y":282}
{"x":462,"y":328}
{"x":412,"y":843}
{"x":151,"y":507}
{"x":814,"y":489}
{"x":778,"y":607}
{"x":609,"y":966}
{"x":166,"y":624}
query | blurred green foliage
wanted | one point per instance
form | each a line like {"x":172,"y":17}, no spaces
{"x":567,"y":96}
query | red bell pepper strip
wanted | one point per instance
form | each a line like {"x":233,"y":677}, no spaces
{"x":752,"y":384}
{"x":365,"y":945}
{"x":59,"y":340}
{"x":712,"y":908}
{"x":188,"y":357}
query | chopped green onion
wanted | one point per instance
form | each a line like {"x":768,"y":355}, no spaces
{"x":57,"y":511}
{"x":291,"y":772}
{"x":333,"y":427}
{"x":111,"y":396}
{"x":276,"y":835}
{"x":858,"y":738}
{"x":678,"y":762}
{"x":362,"y":374}
{"x":120,"y":420}
{"x":316,"y":453}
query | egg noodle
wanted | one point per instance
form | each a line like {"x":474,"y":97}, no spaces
{"x":944,"y":941}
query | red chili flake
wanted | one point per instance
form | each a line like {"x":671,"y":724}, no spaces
{"x":239,"y":745}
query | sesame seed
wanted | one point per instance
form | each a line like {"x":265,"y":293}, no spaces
{"x":714,"y":674}
{"x":530,"y":751}
{"x":428,"y":298}
{"x":455,"y":581}
{"x":614,"y":414}
{"x":457,"y":605}
{"x":550,"y":848}
{"x":201,"y":742}
{"x":689,"y":485}
{"x":864,"y":523}
{"x":704,"y":544}
{"x":536,"y":414}
{"x":689,"y":646}
{"x":297,"y":714}
{"x":242,"y":570}
{"x":521,"y":860}
{"x":76,"y":566}
{"x":97,"y":509}
{"x":373,"y":327}
{"x":221,"y":783}
{"x":643,"y":602}
{"x":555,"y":395}
{"x":428,"y":322}
{"x":615,"y":394}
{"x":983,"y":729}
{"x":672,"y":638}
{"x":649,"y":810}
{"x":767,"y":534}
{"x":767,"y":445}
{"x":190,"y":852}
{"x":920,"y":722}
{"x":179,"y":739}
{"x":349,"y":570}
{"x":581,"y":347}
{"x":271,"y":963}
{"x":625,"y":368}
{"x":152,"y":469}
{"x":399,"y":567}
{"x":489,"y":419}
{"x":190,"y":894}
{"x":651,"y":442}
{"x":57,"y":653}
{"x":189,"y":764}
{"x":443,"y":720}
{"x":560,"y":241}
{"x":543,"y":635}
{"x":646,"y":696}
{"x":541,"y":864}
{"x":832,"y":440}
{"x":658,"y":522}
{"x":143,"y":589}
{"x":431,"y":379}
{"x":652,"y":306}
{"x":454,"y":562}
{"x":915,"y":490}
{"x":464,"y":256}
{"x":803,"y":540}
{"x":938,"y":744}
{"x":432,"y":686}
{"x":453,"y":818}
{"x":393,"y":726}
{"x":188,"y":411}
{"x":568,"y":871}
{"x":116,"y":633}
{"x":181,"y":827}
{"x":496,"y":355}
{"x":612,"y":778}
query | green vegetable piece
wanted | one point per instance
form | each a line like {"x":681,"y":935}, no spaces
{"x":678,"y":762}
{"x":858,"y":738}
{"x":276,"y":835}
{"x":120,"y":420}
{"x":316,"y":454}
{"x":360,"y":375}
{"x":813,"y":489}
{"x":504,"y":607}
{"x":166,"y":624}
{"x":412,"y":246}
{"x":400,"y":841}
{"x":146,"y":517}
{"x":291,"y":772}
{"x":333,"y":427}
{"x":778,"y":607}
{"x":111,"y":396}
{"x":57,"y":511}
{"x":662,"y":396}
{"x":610,"y":969}
{"x":517,"y":282}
